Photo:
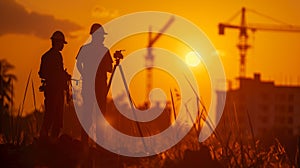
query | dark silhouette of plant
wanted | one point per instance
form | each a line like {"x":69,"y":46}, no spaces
{"x":6,"y":89}
{"x":6,"y":79}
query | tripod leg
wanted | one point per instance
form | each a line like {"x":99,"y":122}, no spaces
{"x":111,"y":77}
{"x":132,"y":106}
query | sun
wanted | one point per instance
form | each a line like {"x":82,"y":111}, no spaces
{"x":192,"y":59}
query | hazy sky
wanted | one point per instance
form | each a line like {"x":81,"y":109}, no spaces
{"x":26,"y":26}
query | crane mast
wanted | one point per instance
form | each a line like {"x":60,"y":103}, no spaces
{"x":243,"y":45}
{"x":150,"y":57}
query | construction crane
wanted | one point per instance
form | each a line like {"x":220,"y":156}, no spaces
{"x":243,"y":45}
{"x":150,"y":57}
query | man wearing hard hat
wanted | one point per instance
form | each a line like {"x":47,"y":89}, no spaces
{"x":93,"y":63}
{"x":55,"y":80}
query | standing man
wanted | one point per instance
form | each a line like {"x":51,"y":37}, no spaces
{"x":93,"y":63}
{"x":54,"y":79}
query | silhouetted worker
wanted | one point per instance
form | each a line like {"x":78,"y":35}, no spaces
{"x":94,"y":73}
{"x":54,"y":79}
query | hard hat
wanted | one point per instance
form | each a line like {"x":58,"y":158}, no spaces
{"x":98,"y":27}
{"x":58,"y":35}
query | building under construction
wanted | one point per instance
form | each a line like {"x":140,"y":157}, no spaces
{"x":261,"y":107}
{"x":261,"y":110}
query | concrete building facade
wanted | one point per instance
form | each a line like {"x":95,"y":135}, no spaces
{"x":263,"y":108}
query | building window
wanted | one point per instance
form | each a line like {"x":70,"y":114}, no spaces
{"x":264,"y":107}
{"x":264,"y":119}
{"x":280,"y":108}
{"x":290,"y":120}
{"x":264,"y":96}
{"x":280,"y":97}
{"x":291,"y":108}
{"x":283,"y":120}
{"x":277,"y":119}
{"x":291,"y":97}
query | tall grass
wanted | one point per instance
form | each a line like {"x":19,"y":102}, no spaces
{"x":18,"y":129}
{"x":227,"y":144}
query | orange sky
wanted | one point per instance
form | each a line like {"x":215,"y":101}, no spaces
{"x":274,"y":54}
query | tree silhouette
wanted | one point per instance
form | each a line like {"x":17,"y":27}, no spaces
{"x":6,"y":88}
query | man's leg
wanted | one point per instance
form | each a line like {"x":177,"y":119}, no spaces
{"x":99,"y":123}
{"x":87,"y":112}
{"x":57,"y":118}
{"x":46,"y":119}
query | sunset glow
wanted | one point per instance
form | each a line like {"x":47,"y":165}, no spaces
{"x":192,"y":59}
{"x":150,"y":83}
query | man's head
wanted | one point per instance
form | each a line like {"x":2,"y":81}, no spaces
{"x":58,"y":40}
{"x":97,"y":32}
